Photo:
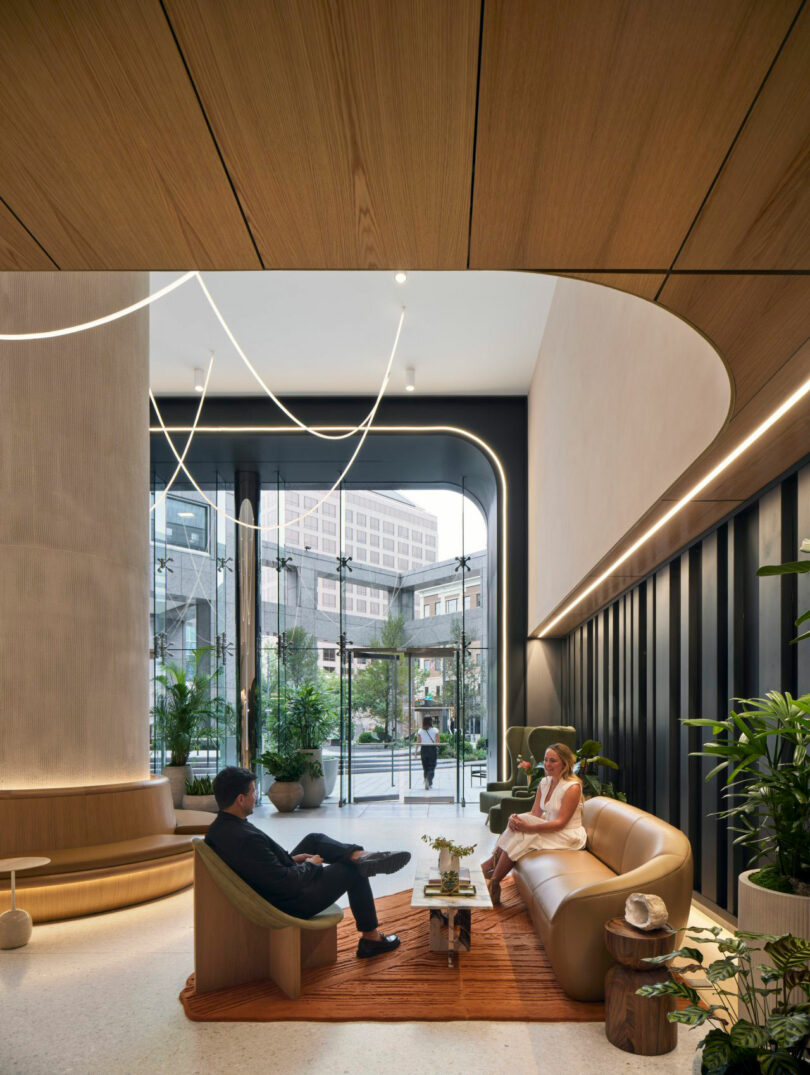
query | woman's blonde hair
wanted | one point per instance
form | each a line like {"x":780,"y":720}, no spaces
{"x":568,"y":759}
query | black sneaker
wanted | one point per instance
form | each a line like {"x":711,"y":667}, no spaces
{"x":367,"y":949}
{"x":382,"y":862}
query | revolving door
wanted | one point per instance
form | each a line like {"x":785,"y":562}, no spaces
{"x":388,"y":696}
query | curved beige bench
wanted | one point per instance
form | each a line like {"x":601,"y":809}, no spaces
{"x":571,"y":894}
{"x":239,"y":937}
{"x":110,"y":846}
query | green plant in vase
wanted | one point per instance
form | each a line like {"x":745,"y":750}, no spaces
{"x":449,"y":854}
{"x":589,"y":756}
{"x":762,"y":750}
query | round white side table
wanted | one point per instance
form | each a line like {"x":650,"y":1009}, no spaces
{"x":16,"y":925}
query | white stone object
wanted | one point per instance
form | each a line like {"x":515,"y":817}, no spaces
{"x":645,"y":911}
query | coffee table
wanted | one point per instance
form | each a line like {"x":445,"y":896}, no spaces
{"x":450,"y":916}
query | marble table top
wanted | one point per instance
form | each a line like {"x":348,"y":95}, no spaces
{"x":427,"y":865}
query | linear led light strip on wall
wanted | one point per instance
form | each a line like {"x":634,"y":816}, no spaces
{"x":679,"y":505}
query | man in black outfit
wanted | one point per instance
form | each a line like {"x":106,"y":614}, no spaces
{"x":317,"y":873}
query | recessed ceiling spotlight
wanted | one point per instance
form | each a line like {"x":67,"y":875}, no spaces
{"x":199,"y":380}
{"x":410,"y":379}
{"x":185,"y":514}
{"x":400,"y":277}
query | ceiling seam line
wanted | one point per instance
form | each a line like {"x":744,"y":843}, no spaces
{"x":730,"y":149}
{"x":673,"y":272}
{"x":211,"y":132}
{"x":28,"y":232}
{"x":475,"y":130}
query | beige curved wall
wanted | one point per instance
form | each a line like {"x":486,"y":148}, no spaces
{"x":73,"y":534}
{"x":623,"y":398}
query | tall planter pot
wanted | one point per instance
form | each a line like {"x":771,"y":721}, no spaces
{"x":330,"y":772}
{"x":177,"y":775}
{"x":761,"y":910}
{"x":314,"y":786}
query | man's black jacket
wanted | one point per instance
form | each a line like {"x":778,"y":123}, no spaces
{"x":260,"y":861}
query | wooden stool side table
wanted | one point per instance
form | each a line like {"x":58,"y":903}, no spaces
{"x":15,"y":925}
{"x":637,"y":1024}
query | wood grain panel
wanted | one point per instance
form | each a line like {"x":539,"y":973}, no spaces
{"x":758,"y":215}
{"x":602,"y":124}
{"x":348,"y":127}
{"x":18,"y":251}
{"x":755,"y":322}
{"x":645,"y":285}
{"x":106,"y":154}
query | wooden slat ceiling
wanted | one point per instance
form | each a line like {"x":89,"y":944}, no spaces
{"x":658,"y":146}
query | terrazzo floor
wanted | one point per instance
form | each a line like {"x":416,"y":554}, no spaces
{"x":99,"y":994}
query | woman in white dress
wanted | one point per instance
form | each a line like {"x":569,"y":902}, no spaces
{"x":554,"y":821}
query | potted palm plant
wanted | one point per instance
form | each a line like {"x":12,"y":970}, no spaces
{"x":309,"y":722}
{"x":183,"y":711}
{"x":761,"y":749}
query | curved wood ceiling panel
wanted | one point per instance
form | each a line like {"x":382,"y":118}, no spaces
{"x":347,"y":127}
{"x":106,"y":156}
{"x":758,"y":215}
{"x":602,"y":124}
{"x":755,"y":322}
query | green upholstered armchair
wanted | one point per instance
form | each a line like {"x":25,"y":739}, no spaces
{"x":530,"y":743}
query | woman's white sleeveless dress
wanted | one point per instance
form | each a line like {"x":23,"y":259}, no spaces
{"x":572,"y":838}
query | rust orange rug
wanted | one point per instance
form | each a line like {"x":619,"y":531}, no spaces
{"x":505,"y":975}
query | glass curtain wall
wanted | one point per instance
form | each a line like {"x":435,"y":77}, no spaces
{"x":376,"y":599}
{"x":192,"y":624}
{"x":362,"y":601}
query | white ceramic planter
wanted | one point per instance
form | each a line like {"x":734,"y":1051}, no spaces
{"x":764,"y":911}
{"x":330,"y":764}
{"x":314,"y":786}
{"x":177,"y":775}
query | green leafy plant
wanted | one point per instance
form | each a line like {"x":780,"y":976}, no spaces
{"x":186,"y":709}
{"x":200,"y":785}
{"x":762,"y":749}
{"x":795,"y":567}
{"x":285,"y":765}
{"x":439,"y":843}
{"x":766,"y":1032}
{"x":310,"y":719}
{"x":366,"y":737}
{"x":588,"y":756}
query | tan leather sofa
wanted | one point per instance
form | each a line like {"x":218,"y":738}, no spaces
{"x":571,"y":894}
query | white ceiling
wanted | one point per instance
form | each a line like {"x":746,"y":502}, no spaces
{"x":314,"y":333}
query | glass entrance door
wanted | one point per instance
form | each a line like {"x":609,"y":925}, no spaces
{"x":387,"y":703}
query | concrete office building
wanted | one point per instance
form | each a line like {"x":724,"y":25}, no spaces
{"x":602,"y":211}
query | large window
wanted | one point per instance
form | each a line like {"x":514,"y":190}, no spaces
{"x":187,"y":524}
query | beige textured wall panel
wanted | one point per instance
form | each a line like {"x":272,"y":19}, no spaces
{"x":73,"y":534}
{"x":623,"y":399}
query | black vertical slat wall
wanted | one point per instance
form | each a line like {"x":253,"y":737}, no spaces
{"x":699,"y":631}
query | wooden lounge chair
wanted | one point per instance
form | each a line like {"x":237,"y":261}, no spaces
{"x":239,"y":937}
